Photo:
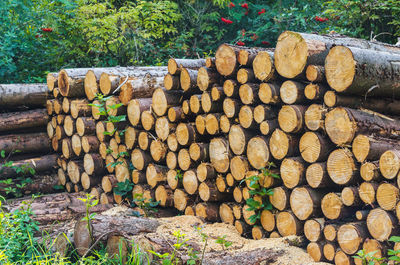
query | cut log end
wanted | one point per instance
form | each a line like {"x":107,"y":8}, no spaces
{"x":340,"y":68}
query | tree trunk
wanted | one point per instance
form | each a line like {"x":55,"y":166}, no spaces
{"x":165,"y":196}
{"x":350,"y":196}
{"x":141,"y":87}
{"x":25,"y":143}
{"x":85,"y":126}
{"x":93,"y":164}
{"x":280,"y":198}
{"x":110,"y":78}
{"x":367,"y":192}
{"x":175,"y":65}
{"x":231,"y":88}
{"x":248,"y":93}
{"x":209,"y":104}
{"x":369,"y":171}
{"x":15,"y":96}
{"x":315,"y":92}
{"x":315,"y":73}
{"x":220,"y":154}
{"x":209,"y":192}
{"x":366,"y":71}
{"x":199,"y":151}
{"x":264,"y":112}
{"x":162,"y":100}
{"x":156,"y":174}
{"x":158,"y":150}
{"x":80,"y":108}
{"x":163,"y":128}
{"x":208,"y":211}
{"x":311,"y":49}
{"x":22,"y":120}
{"x":292,"y":92}
{"x":231,"y":107}
{"x":71,"y":82}
{"x":184,"y":160}
{"x":172,"y":82}
{"x":258,"y":152}
{"x":245,"y":75}
{"x":175,"y":114}
{"x":269,"y":93}
{"x":205,"y":171}
{"x":313,"y":229}
{"x":288,"y":224}
{"x":108,"y":183}
{"x":315,"y":250}
{"x":333,"y":208}
{"x":371,"y":148}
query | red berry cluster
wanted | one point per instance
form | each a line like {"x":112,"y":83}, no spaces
{"x":321,"y":19}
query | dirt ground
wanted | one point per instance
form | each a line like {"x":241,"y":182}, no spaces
{"x":186,"y":225}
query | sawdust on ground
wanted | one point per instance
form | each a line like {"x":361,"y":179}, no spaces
{"x":186,"y":225}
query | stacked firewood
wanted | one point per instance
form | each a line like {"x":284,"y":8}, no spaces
{"x":196,"y":132}
{"x":26,"y":161}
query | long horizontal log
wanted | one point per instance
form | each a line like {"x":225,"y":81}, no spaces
{"x":25,"y":143}
{"x":23,"y":95}
{"x":295,"y":51}
{"x":29,"y":166}
{"x":23,"y":120}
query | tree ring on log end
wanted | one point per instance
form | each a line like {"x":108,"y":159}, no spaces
{"x":340,"y":68}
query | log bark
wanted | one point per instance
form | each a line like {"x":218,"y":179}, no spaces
{"x":264,"y":112}
{"x":175,"y":65}
{"x":25,"y":143}
{"x":207,"y":211}
{"x":363,"y":71}
{"x":22,"y":120}
{"x":15,"y":96}
{"x":182,"y":200}
{"x":110,"y":78}
{"x":381,"y":105}
{"x":138,"y":177}
{"x":93,"y":164}
{"x":164,"y":195}
{"x":371,"y":148}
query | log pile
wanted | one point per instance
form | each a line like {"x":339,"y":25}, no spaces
{"x":27,"y":164}
{"x":322,"y":108}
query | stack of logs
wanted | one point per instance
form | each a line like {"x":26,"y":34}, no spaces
{"x":26,"y":156}
{"x":196,"y":130}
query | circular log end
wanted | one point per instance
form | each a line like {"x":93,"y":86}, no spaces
{"x":172,"y":142}
{"x":330,"y":232}
{"x":314,"y":175}
{"x":246,"y":94}
{"x":289,"y":92}
{"x":246,"y":116}
{"x":158,"y":150}
{"x":348,"y":196}
{"x":239,"y":167}
{"x":180,"y":200}
{"x":341,"y":166}
{"x":212,"y":124}
{"x":267,"y":220}
{"x":331,"y":206}
{"x":387,"y":196}
{"x":279,"y":199}
{"x":190,"y":183}
{"x":219,"y":154}
{"x":340,"y":68}
{"x":224,"y":124}
{"x":349,"y":238}
{"x":137,"y":159}
{"x":314,"y":117}
{"x":312,"y":73}
{"x":367,"y":192}
{"x":172,"y":160}
{"x":243,"y":57}
{"x":203,"y":80}
{"x":200,"y":123}
{"x":329,"y":251}
{"x":315,"y":251}
{"x":258,"y":152}
{"x":229,"y":87}
{"x":172,"y":179}
{"x":105,"y":83}
{"x":287,"y":224}
{"x":204,"y":191}
{"x":310,"y":147}
{"x":290,"y":119}
{"x":206,"y":102}
{"x":147,"y":120}
{"x":268,"y":93}
{"x":237,"y":139}
{"x":91,"y":85}
{"x":226,"y":214}
{"x":195,"y":104}
{"x":361,"y":147}
{"x":190,"y":211}
{"x":225,"y":60}
{"x":340,"y":126}
{"x":76,"y":144}
{"x":380,"y":224}
{"x":160,"y":103}
{"x":312,"y":230}
{"x":242,"y":76}
{"x":301,"y":203}
{"x":330,"y":99}
{"x":292,"y":171}
{"x":263,"y":66}
{"x":342,"y":259}
{"x":291,"y":53}
{"x":184,"y":160}
{"x":389,"y":164}
{"x":279,"y":144}
{"x":162,"y":127}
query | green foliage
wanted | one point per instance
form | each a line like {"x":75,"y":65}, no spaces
{"x":89,"y":203}
{"x":147,"y":205}
{"x":257,"y":190}
{"x":369,"y":258}
{"x":180,"y":245}
{"x":223,"y":242}
{"x":366,"y":19}
{"x":124,"y":189}
{"x":179,"y":175}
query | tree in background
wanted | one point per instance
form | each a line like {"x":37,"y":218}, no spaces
{"x":37,"y":36}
